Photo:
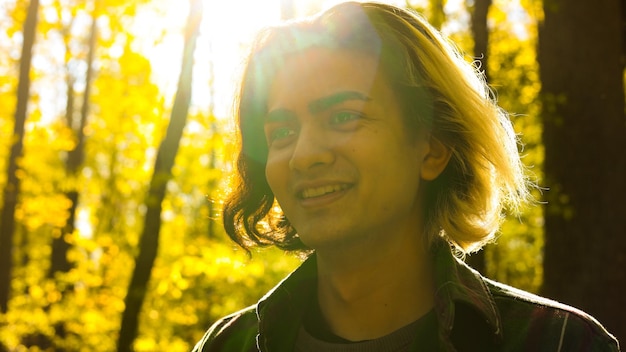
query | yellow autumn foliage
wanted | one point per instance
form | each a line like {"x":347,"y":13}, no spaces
{"x":199,"y":275}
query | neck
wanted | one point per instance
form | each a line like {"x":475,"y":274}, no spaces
{"x":369,"y":290}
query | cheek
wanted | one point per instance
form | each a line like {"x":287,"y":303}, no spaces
{"x":275,"y":174}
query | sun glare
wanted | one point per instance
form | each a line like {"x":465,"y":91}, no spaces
{"x":227,"y":28}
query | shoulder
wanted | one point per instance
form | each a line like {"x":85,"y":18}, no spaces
{"x":235,"y":332}
{"x":532,"y":318}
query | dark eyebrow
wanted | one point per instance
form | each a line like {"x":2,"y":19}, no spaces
{"x":317,"y":105}
{"x":324,"y":103}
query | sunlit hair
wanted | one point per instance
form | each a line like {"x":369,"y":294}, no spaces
{"x":439,"y":92}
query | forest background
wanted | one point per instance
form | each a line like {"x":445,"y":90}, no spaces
{"x":114,"y":157}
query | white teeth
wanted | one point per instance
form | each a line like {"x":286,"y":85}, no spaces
{"x":320,"y":191}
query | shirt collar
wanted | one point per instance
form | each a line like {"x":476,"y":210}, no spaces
{"x":280,"y":311}
{"x":457,"y":283}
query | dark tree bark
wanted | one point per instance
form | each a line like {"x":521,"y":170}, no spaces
{"x":480,"y":32}
{"x":149,"y":240}
{"x":581,"y":68}
{"x":60,"y":246}
{"x":12,"y":187}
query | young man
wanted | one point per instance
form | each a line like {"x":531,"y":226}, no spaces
{"x":386,"y":153}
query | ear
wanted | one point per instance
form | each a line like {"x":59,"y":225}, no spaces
{"x":435,"y":160}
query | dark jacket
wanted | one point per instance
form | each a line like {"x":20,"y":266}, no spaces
{"x":473,"y":313}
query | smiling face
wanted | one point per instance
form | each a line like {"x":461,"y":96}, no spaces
{"x":341,"y":163}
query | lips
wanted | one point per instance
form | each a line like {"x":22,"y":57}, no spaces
{"x":312,"y":192}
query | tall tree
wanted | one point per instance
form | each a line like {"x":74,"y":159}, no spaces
{"x":581,"y":68}
{"x":480,"y":33}
{"x":60,"y":245}
{"x":12,"y":186}
{"x":149,"y":239}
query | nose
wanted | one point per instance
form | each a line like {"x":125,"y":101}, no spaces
{"x":313,"y":149}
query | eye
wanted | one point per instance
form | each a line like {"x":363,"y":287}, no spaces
{"x":345,"y":116}
{"x":280,"y":125}
{"x":280,"y":134}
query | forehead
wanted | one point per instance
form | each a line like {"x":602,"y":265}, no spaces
{"x":319,"y":71}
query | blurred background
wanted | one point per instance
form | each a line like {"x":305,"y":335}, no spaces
{"x":117,"y":144}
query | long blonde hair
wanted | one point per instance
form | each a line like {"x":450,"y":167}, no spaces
{"x":438,"y":90}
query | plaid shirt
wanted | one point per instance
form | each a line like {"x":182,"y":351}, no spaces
{"x":473,"y":313}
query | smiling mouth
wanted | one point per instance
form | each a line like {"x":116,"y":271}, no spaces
{"x":321,"y":191}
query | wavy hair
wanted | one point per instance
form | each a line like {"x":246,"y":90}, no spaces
{"x":437,"y":89}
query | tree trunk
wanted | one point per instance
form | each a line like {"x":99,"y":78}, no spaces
{"x":12,"y":187}
{"x":149,"y":240}
{"x":480,"y":32}
{"x":581,"y":68}
{"x":60,"y":246}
